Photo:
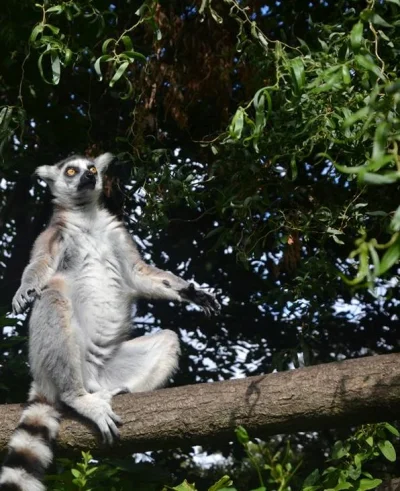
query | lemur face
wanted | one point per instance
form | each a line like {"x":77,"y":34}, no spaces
{"x":76,"y":180}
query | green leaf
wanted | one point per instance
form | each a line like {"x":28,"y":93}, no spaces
{"x":343,"y":485}
{"x":312,"y":478}
{"x":395,"y":226}
{"x":365,"y":484}
{"x":324,"y":46}
{"x":378,"y":163}
{"x":346,"y":75}
{"x":185,"y":486}
{"x":387,"y":450}
{"x":67,"y":57}
{"x":131,"y":55}
{"x":76,"y":473}
{"x":293,"y":168}
{"x":214,"y":149}
{"x":337,"y":240}
{"x":298,"y":75}
{"x":35,"y":32}
{"x":375,"y":260}
{"x":368,"y":64}
{"x":127,"y":43}
{"x":128,"y":93}
{"x":334,"y":231}
{"x":339,"y":450}
{"x":57,"y":9}
{"x":377,"y":213}
{"x":97,"y":65}
{"x":378,"y":20}
{"x":106,"y":44}
{"x":55,"y":67}
{"x":224,"y":482}
{"x":236,"y":127}
{"x":380,"y":140}
{"x":388,"y":426}
{"x":390,"y":257}
{"x":366,"y":14}
{"x":372,"y":178}
{"x":349,"y":170}
{"x":356,"y":36}
{"x":118,"y":74}
{"x":354,"y":117}
{"x":6,"y":111}
{"x":334,"y":81}
{"x":242,"y":435}
{"x":55,"y":30}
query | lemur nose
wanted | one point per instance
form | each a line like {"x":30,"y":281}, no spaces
{"x":89,"y":175}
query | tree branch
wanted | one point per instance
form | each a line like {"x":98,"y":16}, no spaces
{"x":391,"y":485}
{"x":319,"y":397}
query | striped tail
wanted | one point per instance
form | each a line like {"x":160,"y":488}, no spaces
{"x":30,"y":448}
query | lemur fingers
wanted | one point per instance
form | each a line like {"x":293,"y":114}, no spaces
{"x":205,"y":300}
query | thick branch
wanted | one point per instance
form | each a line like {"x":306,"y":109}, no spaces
{"x":319,"y":397}
{"x":392,"y":485}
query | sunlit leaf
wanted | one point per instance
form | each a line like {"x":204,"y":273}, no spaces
{"x":387,"y":449}
{"x":298,"y":74}
{"x":106,"y":44}
{"x":127,"y":43}
{"x":366,"y":484}
{"x":356,"y":36}
{"x":97,"y":64}
{"x":391,"y":257}
{"x":224,"y":482}
{"x":242,"y":435}
{"x":391,"y":429}
{"x":368,"y":64}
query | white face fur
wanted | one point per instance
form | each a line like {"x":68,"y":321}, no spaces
{"x":76,"y":180}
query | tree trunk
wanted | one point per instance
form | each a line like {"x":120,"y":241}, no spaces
{"x":319,"y":397}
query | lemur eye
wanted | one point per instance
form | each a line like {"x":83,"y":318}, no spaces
{"x":93,"y":169}
{"x":70,"y":171}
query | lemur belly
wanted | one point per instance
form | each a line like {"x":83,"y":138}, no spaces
{"x":100,"y":298}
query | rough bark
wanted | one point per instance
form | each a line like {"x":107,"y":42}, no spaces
{"x":319,"y":397}
{"x":392,"y":485}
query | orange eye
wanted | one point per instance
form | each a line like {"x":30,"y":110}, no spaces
{"x":70,"y":171}
{"x":93,"y":169}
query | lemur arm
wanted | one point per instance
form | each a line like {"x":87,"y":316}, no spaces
{"x":151,"y":282}
{"x":39,"y":270}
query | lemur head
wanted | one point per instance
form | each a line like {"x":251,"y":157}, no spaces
{"x":77,"y":180}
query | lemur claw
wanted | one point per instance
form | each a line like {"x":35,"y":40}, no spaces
{"x":205,"y":300}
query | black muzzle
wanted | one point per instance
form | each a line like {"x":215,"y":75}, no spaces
{"x":87,"y":181}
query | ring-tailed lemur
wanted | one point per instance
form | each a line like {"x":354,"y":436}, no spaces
{"x":84,"y":277}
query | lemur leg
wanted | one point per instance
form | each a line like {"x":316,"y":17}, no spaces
{"x":142,"y":364}
{"x":56,"y":360}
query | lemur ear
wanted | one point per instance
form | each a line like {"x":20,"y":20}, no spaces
{"x":46,"y":172}
{"x":103,"y":161}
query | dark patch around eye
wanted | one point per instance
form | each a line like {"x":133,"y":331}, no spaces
{"x":76,"y":169}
